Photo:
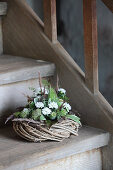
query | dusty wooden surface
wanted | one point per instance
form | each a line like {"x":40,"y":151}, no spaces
{"x":90,"y":44}
{"x":109,"y":4}
{"x":90,"y":160}
{"x":25,"y":36}
{"x":14,"y":69}
{"x":18,"y":154}
{"x":50,"y":26}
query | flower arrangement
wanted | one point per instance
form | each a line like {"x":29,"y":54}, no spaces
{"x":47,"y":116}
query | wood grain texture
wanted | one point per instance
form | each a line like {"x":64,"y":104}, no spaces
{"x":14,"y":69}
{"x":50,"y":26}
{"x":90,"y":44}
{"x":3,"y":8}
{"x":23,"y":35}
{"x":18,"y":154}
{"x":109,"y":4}
{"x":90,"y":160}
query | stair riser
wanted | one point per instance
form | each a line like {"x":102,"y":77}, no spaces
{"x":12,"y":96}
{"x":90,"y":160}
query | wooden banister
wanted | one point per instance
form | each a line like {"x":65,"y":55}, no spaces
{"x":109,"y":4}
{"x":90,"y":44}
{"x":50,"y":26}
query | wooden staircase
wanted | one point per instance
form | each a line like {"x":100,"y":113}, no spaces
{"x":24,"y":34}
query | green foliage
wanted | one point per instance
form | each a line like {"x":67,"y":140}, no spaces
{"x":17,"y":114}
{"x":42,"y":117}
{"x":60,"y":102}
{"x":32,"y":105}
{"x":24,"y":114}
{"x":36,"y":114}
{"x":52,"y":95}
{"x":63,"y":112}
{"x":74,"y":118}
{"x":53,"y":115}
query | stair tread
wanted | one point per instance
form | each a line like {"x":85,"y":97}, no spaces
{"x":3,"y":8}
{"x":14,"y":69}
{"x":16,"y":153}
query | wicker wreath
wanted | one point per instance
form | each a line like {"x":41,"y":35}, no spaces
{"x":35,"y":131}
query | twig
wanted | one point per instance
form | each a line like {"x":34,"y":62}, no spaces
{"x":57,"y":83}
{"x":40,"y":81}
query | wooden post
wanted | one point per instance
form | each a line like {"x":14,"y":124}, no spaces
{"x":50,"y":26}
{"x":90,"y":44}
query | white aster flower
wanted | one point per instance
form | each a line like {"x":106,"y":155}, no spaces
{"x":38,"y":91}
{"x":53,"y":105}
{"x":46,"y":111}
{"x":67,"y":106}
{"x":62,"y":90}
{"x":39,"y":105}
{"x":25,"y":110}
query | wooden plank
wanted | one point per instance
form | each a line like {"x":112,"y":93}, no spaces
{"x":14,"y":69}
{"x":90,"y":44}
{"x":3,"y":8}
{"x":109,"y":4}
{"x":50,"y":27}
{"x":15,"y":153}
{"x":90,"y":160}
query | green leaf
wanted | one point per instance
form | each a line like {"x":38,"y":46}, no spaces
{"x":42,"y":117}
{"x":61,"y":95}
{"x":52,"y":95}
{"x":53,"y":115}
{"x":32,"y":105}
{"x":66,"y":99}
{"x":23,"y":114}
{"x":36,"y":114}
{"x":74,"y":118}
{"x":45,"y":82}
{"x":60,"y":102}
{"x":17,"y":114}
{"x":63,"y":112}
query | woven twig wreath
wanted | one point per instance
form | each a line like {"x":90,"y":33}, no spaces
{"x":35,"y":131}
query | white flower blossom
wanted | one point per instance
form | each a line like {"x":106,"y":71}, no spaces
{"x":25,"y":110}
{"x":46,"y":111}
{"x":53,"y":105}
{"x":62,"y":90}
{"x":39,"y":105}
{"x":38,"y":91}
{"x":67,"y":106}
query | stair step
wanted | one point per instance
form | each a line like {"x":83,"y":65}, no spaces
{"x":17,"y":74}
{"x":3,"y":8}
{"x":15,"y":69}
{"x":18,"y":154}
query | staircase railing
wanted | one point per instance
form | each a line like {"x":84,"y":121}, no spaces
{"x":90,"y":36}
{"x":50,"y":26}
